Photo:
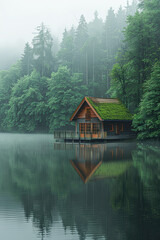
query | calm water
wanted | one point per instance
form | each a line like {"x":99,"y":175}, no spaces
{"x":100,"y":191}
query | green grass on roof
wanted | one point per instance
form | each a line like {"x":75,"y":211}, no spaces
{"x":111,"y":111}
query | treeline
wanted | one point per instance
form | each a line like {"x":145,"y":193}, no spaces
{"x":116,"y":58}
{"x":43,"y":89}
{"x":136,"y":75}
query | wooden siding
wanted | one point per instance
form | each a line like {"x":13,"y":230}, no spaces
{"x":118,"y":128}
{"x":82,"y":112}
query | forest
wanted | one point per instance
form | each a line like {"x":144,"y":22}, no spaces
{"x":118,"y":58}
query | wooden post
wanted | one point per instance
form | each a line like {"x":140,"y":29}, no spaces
{"x":103,"y":130}
{"x":91,"y":130}
{"x":72,"y":133}
{"x":122,"y":129}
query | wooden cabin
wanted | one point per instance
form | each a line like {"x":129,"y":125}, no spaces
{"x":99,"y":118}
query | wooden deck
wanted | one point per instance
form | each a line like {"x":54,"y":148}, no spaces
{"x":72,"y":136}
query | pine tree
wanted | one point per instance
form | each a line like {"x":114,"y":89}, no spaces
{"x":95,"y":28}
{"x":66,"y":53}
{"x":131,"y":9}
{"x":81,"y":33}
{"x":120,"y":25}
{"x":80,"y":53}
{"x":110,"y":34}
{"x":42,"y":51}
{"x":27,"y":60}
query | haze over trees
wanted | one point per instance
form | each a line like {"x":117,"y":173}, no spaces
{"x":111,"y":58}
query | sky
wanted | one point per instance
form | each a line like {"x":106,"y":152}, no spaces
{"x":19,"y":18}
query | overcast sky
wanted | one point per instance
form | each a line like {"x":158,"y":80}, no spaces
{"x":19,"y":18}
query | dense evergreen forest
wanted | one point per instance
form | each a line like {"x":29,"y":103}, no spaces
{"x":118,"y":57}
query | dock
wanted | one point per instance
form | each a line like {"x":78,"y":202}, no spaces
{"x":72,"y":136}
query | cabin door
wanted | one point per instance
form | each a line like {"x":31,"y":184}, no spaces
{"x":119,"y":128}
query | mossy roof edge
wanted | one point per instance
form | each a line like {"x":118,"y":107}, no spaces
{"x":111,"y":111}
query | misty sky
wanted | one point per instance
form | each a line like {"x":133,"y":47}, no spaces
{"x":19,"y":18}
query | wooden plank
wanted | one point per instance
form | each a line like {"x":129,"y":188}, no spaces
{"x":82,"y":112}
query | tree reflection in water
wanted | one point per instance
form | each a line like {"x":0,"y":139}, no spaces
{"x":119,"y":201}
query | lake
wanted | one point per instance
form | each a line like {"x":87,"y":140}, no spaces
{"x":59,"y":191}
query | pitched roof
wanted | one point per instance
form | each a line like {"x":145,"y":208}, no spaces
{"x":110,"y":108}
{"x":106,"y":108}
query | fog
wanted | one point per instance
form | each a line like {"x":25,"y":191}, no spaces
{"x":19,"y":18}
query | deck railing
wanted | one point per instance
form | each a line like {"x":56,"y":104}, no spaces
{"x":72,"y":135}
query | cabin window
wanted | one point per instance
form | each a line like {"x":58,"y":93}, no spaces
{"x":95,"y":128}
{"x":111,"y":127}
{"x":82,"y":127}
{"x":88,"y":127}
{"x":121,"y":128}
{"x":88,"y":114}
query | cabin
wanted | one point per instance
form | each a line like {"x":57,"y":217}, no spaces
{"x":99,"y":118}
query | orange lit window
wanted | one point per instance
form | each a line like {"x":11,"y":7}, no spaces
{"x":95,"y":128}
{"x":88,"y":127}
{"x":82,"y":127}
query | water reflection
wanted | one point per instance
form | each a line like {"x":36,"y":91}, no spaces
{"x":119,"y":202}
{"x":93,"y":161}
{"x":88,"y":159}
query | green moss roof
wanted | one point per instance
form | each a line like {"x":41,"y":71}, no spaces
{"x":110,"y":111}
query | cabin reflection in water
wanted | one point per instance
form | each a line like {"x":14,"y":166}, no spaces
{"x":85,"y":169}
{"x":94,"y":161}
{"x":88,"y":159}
